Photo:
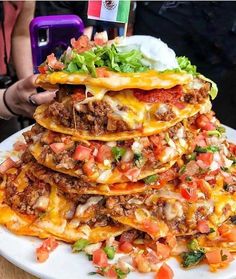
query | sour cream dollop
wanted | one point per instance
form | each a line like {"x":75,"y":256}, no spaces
{"x":157,"y":55}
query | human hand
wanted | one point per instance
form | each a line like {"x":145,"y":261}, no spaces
{"x":22,"y":97}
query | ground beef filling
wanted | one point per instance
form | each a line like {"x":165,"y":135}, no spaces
{"x":166,"y":115}
{"x":196,"y":96}
{"x":96,"y":117}
{"x":33,"y":200}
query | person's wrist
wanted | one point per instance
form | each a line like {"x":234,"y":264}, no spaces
{"x":4,"y":112}
{"x":7,"y":102}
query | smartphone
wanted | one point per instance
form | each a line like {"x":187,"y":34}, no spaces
{"x":53,"y":34}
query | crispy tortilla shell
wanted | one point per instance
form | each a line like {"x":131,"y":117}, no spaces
{"x":52,"y":222}
{"x":117,"y":81}
{"x":116,"y":176}
{"x":149,"y":127}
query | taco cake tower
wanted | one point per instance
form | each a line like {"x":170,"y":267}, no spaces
{"x":128,"y":158}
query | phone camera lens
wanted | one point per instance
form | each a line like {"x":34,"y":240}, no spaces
{"x":42,"y":35}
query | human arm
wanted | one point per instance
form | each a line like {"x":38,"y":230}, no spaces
{"x":21,"y":49}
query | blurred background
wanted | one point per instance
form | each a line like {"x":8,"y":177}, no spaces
{"x":203,"y":31}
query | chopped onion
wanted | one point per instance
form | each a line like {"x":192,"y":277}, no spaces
{"x":85,"y":230}
{"x":82,"y":208}
{"x":168,"y":154}
{"x":135,"y":201}
{"x":95,"y":152}
{"x":92,"y":247}
{"x":180,"y":133}
{"x":74,"y":223}
{"x":163,"y":108}
{"x":125,"y":263}
{"x":70,"y":213}
{"x":107,"y":163}
{"x":137,"y":147}
{"x":41,"y":203}
{"x":128,"y":156}
{"x":110,"y":241}
{"x":183,"y":142}
{"x":173,"y":209}
{"x":227,"y":163}
{"x":111,"y":143}
{"x":104,"y":176}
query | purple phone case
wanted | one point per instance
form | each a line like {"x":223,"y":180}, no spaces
{"x":61,"y":28}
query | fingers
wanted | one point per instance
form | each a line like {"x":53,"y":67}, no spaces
{"x":27,"y":84}
{"x":44,"y":97}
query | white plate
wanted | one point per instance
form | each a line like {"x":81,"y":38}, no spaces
{"x":62,"y":264}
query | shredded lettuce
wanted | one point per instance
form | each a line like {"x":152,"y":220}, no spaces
{"x":185,"y":65}
{"x":105,"y":56}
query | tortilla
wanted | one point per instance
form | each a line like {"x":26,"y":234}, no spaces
{"x":150,"y":127}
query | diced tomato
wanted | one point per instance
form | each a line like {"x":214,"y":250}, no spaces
{"x":19,"y":146}
{"x":204,"y":123}
{"x":89,"y":167}
{"x":82,"y":44}
{"x":228,"y":233}
{"x":66,"y":140}
{"x":219,"y":256}
{"x":48,"y":245}
{"x":180,"y":105}
{"x":6,"y":165}
{"x":133,"y":174}
{"x":82,"y":153}
{"x":163,"y":250}
{"x":223,"y":229}
{"x":78,"y":95}
{"x":191,"y":169}
{"x":125,"y":247}
{"x":125,"y":166}
{"x":201,"y":140}
{"x":104,"y":153}
{"x":204,"y":187}
{"x":42,"y":255}
{"x":188,"y":191}
{"x":167,"y":176}
{"x":54,"y":63}
{"x":156,"y":140}
{"x":42,"y":69}
{"x":57,"y":147}
{"x":145,"y":141}
{"x":102,"y":72}
{"x":150,"y":227}
{"x":171,"y":95}
{"x":100,"y":258}
{"x":110,"y":273}
{"x":158,"y":151}
{"x":165,"y":272}
{"x":127,"y":236}
{"x":232,"y":148}
{"x":203,"y":227}
{"x":206,"y":158}
{"x":48,"y":137}
{"x":100,"y":38}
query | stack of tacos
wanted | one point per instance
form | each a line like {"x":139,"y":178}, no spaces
{"x":124,"y":149}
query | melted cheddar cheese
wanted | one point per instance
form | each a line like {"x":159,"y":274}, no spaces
{"x":150,"y":126}
{"x":118,"y":81}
